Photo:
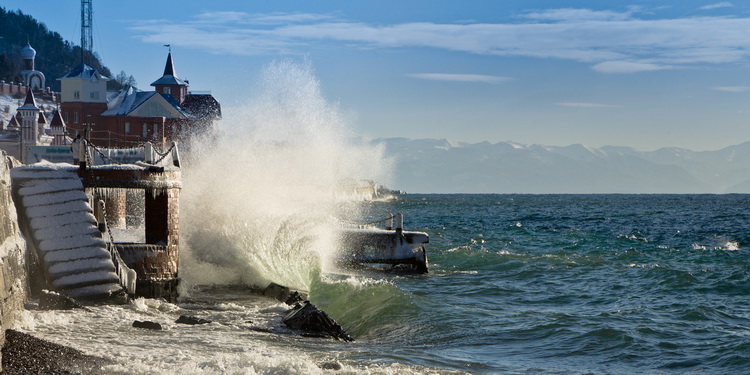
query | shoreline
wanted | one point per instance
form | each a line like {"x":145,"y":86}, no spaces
{"x":26,"y":354}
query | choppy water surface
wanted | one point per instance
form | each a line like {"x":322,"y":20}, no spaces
{"x":550,"y":284}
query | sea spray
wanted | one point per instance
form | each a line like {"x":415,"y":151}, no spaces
{"x":260,"y":192}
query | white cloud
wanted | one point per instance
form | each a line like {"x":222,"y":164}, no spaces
{"x":570,"y":15}
{"x":732,"y":88}
{"x":627,"y":67}
{"x":459,"y":77}
{"x":613,"y":42}
{"x":723,"y":4}
{"x":585,"y":105}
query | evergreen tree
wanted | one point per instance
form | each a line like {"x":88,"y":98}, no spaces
{"x":55,"y":56}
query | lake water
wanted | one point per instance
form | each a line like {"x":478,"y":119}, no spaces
{"x":518,"y":284}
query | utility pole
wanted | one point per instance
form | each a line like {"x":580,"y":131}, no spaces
{"x":87,"y":38}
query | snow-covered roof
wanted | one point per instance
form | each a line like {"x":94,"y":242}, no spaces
{"x":30,"y":103}
{"x":84,"y":71}
{"x":129,"y":99}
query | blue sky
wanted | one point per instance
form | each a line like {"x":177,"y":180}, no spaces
{"x":642,"y":73}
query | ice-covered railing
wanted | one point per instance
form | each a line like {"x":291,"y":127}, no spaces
{"x":147,"y":153}
{"x":388,"y":221}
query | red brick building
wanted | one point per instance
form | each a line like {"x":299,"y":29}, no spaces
{"x":130,"y":117}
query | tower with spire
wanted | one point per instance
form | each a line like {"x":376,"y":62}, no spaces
{"x":170,"y":84}
{"x":29,"y":125}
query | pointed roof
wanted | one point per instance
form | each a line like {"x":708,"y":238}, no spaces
{"x":169,"y":78}
{"x":169,"y":68}
{"x":42,"y":119}
{"x":15,"y":121}
{"x":57,"y":120}
{"x":30,"y":103}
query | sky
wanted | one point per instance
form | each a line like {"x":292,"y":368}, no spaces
{"x":644,"y":73}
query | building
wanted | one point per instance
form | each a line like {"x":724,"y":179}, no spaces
{"x":32,"y":78}
{"x":131,"y":117}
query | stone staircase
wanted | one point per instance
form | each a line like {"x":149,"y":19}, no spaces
{"x":61,"y":227}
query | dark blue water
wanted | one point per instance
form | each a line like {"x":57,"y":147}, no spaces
{"x":563,"y":284}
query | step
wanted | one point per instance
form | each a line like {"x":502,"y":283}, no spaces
{"x":57,"y":209}
{"x":61,"y":269}
{"x":53,"y":198}
{"x":71,"y":243}
{"x":31,"y":188}
{"x":69,"y":230}
{"x":78,"y":253}
{"x":86,"y":279}
{"x":64,"y":219}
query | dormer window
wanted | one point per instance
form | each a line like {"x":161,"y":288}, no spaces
{"x":93,"y":78}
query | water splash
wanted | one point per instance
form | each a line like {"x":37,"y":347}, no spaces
{"x":260,"y":192}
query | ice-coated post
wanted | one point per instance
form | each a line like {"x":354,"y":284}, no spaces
{"x":100,"y":210}
{"x":83,"y":149}
{"x":389,"y":222}
{"x":399,"y":223}
{"x":149,"y":152}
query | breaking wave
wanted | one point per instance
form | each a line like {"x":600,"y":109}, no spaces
{"x":260,"y":192}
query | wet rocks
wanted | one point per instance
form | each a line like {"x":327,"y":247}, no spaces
{"x":330,"y":366}
{"x":306,"y":316}
{"x":26,"y":354}
{"x":147,"y":325}
{"x":283,"y":294}
{"x":56,"y":301}
{"x":191,"y":320}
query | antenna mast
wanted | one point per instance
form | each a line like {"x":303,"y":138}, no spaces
{"x":87,"y":39}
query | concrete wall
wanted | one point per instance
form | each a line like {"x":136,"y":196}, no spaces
{"x":13,"y":280}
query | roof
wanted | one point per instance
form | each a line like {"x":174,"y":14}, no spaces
{"x":169,"y":78}
{"x":202,"y":105}
{"x":28,"y":53}
{"x":30,"y":103}
{"x":42,"y":119}
{"x":129,"y":99}
{"x":57,"y":120}
{"x":83,"y":71}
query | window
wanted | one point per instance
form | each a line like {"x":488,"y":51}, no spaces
{"x":127,"y":128}
{"x":65,"y":116}
{"x":75,"y":117}
{"x":76,"y":95}
{"x":95,"y":95}
{"x":156,"y":130}
{"x":145,"y":130}
{"x":167,"y":91}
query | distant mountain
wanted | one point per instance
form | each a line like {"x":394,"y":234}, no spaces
{"x":439,"y":166}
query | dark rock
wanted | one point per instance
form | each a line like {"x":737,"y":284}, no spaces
{"x":283,"y":294}
{"x":277,"y":291}
{"x":56,"y":301}
{"x":308,"y":317}
{"x":330,"y":366}
{"x":295,"y":297}
{"x":184,"y":319}
{"x":147,"y":324}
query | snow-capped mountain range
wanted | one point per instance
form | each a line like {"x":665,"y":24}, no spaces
{"x":440,"y":166}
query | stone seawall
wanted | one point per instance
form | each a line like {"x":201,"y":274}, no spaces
{"x":13,"y":280}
